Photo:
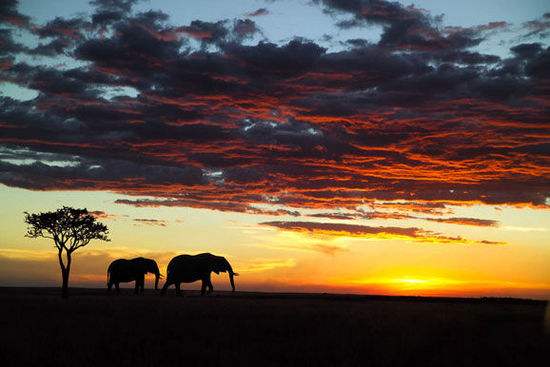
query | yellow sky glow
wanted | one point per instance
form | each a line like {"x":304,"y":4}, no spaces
{"x":271,"y":259}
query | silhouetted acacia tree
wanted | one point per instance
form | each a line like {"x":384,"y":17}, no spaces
{"x":70,"y":229}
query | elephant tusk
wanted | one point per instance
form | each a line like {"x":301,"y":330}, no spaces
{"x":235,"y":274}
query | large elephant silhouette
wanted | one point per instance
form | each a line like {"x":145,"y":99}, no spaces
{"x":130,"y":270}
{"x":190,"y":268}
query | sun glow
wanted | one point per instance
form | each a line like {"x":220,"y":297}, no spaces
{"x":423,"y":283}
{"x":405,"y":283}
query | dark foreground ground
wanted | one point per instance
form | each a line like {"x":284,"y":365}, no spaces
{"x":38,"y":328}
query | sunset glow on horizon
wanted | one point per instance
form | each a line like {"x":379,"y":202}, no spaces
{"x":372,"y":147}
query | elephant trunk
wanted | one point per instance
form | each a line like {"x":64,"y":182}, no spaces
{"x":232,"y":274}
{"x":231,"y":280}
{"x":157,"y":277}
{"x":155,"y":270}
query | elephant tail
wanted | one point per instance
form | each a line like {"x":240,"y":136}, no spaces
{"x":169,"y":269}
{"x":108,"y":275}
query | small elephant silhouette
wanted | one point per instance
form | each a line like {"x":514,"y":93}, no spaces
{"x":130,"y":270}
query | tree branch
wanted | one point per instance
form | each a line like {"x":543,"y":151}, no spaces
{"x":60,"y":257}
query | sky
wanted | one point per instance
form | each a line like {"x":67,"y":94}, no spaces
{"x":356,"y":146}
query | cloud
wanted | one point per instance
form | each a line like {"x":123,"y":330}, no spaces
{"x":466,"y":221}
{"x":355,"y":230}
{"x":151,"y":222}
{"x":366,"y":215}
{"x":405,"y":27}
{"x":258,"y":12}
{"x":36,"y":272}
{"x":220,"y":32}
{"x":341,"y":216}
{"x":324,"y":248}
{"x":537,"y":27}
{"x":244,"y":28}
{"x":267,"y":128}
{"x":214,"y":205}
{"x":121,"y":5}
{"x":434,"y":208}
{"x":62,"y":28}
{"x":205,"y":31}
{"x":261,"y":265}
{"x":10,"y":14}
{"x":99,"y":214}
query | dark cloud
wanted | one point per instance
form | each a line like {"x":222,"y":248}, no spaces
{"x":527,"y":50}
{"x":205,"y":204}
{"x":539,"y":66}
{"x":151,"y":222}
{"x":467,"y":57}
{"x":206,"y":31}
{"x":62,"y":28}
{"x":258,"y":12}
{"x":8,"y":46}
{"x":338,"y":216}
{"x":412,"y":28}
{"x":270,"y":60}
{"x":114,"y":5}
{"x":244,"y":28}
{"x":81,"y":174}
{"x":105,"y":17}
{"x":9,"y":14}
{"x":271,"y":128}
{"x":52,"y":48}
{"x":466,"y":221}
{"x":537,"y":27}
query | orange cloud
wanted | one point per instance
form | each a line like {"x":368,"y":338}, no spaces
{"x":355,"y":230}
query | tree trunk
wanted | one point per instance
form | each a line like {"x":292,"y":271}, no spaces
{"x":65,"y":272}
{"x":65,"y":285}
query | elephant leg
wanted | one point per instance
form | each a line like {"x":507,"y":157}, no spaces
{"x":203,"y":287}
{"x":140,"y":284}
{"x":117,"y":287}
{"x":165,"y":287}
{"x":136,"y":287}
{"x":178,"y":286}
{"x":210,"y":286}
{"x":109,"y":286}
{"x":207,"y":283}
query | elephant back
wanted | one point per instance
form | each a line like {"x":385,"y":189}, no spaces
{"x":123,"y":270}
{"x":117,"y":264}
{"x":177,"y":262}
{"x":187,"y":268}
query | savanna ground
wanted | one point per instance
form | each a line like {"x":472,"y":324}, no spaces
{"x":38,"y":328}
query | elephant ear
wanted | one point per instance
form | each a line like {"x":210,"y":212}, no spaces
{"x":219,"y":265}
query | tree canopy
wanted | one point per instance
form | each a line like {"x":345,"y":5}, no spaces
{"x":69,"y":228}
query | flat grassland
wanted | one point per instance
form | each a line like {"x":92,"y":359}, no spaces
{"x":91,"y":328}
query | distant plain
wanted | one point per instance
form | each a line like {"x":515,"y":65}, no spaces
{"x":92,"y":328}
